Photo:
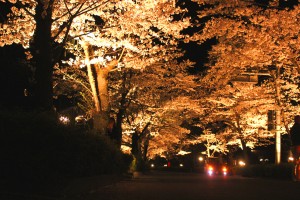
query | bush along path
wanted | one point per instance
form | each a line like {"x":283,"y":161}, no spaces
{"x":42,"y":158}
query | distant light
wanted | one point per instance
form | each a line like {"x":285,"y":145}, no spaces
{"x":200,"y":159}
{"x":64,"y":120}
{"x":242,"y":163}
{"x":169,"y":164}
{"x":165,"y":165}
{"x":181,"y":165}
{"x":224,"y":170}
{"x":152,"y":165}
{"x":291,"y":159}
{"x":264,"y":160}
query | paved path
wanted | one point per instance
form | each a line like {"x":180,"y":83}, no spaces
{"x":189,"y":186}
{"x":58,"y":190}
{"x":169,"y":186}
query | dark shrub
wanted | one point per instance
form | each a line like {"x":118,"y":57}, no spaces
{"x":34,"y":146}
{"x":280,"y":171}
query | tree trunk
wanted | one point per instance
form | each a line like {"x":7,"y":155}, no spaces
{"x":146,"y":146}
{"x":117,"y":133}
{"x":136,"y":150}
{"x":91,"y":76}
{"x":137,"y":139}
{"x":101,"y":121}
{"x":102,"y":84}
{"x":99,"y":87}
{"x":118,"y":130}
{"x":245,"y":153}
{"x":239,"y":129}
{"x":42,"y":51}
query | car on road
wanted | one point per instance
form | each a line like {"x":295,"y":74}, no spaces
{"x":215,"y":166}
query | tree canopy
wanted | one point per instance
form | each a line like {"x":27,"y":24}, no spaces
{"x":123,"y":61}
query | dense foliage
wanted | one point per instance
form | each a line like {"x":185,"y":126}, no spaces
{"x":121,"y":58}
{"x":37,"y":148}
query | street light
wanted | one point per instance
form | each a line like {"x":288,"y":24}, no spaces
{"x":200,"y":159}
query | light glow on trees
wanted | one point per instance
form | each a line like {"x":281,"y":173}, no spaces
{"x":107,"y":38}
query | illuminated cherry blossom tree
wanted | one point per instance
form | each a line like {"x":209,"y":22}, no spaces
{"x":249,"y":36}
{"x":159,"y":107}
{"x":214,"y":143}
{"x":45,"y":26}
{"x":134,"y":35}
{"x":121,"y":53}
{"x":242,"y":109}
{"x":252,"y":38}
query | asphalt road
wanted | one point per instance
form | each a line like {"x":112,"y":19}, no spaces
{"x":190,"y":186}
{"x":163,"y":186}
